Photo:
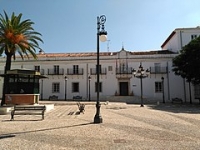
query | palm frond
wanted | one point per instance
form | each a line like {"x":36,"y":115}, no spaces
{"x":18,"y":36}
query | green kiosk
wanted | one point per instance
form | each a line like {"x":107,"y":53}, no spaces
{"x":23,"y":86}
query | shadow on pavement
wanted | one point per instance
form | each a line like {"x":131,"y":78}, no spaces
{"x":41,"y":130}
{"x":6,"y":136}
{"x":177,"y":108}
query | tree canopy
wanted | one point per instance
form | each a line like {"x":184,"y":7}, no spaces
{"x":187,"y":63}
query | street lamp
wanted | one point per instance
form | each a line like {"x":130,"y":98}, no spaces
{"x":141,"y":73}
{"x":162,"y":78}
{"x":89,"y":79}
{"x":101,"y":35}
{"x":66,"y":87}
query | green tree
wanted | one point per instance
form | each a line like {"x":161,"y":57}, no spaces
{"x":187,"y":63}
{"x":16,"y":36}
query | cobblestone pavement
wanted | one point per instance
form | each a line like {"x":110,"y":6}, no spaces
{"x":124,"y":127}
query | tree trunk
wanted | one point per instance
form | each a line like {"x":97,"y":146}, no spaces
{"x":6,"y":78}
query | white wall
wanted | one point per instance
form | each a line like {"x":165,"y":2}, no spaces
{"x":181,"y":38}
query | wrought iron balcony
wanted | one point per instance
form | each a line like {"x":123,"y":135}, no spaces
{"x":127,"y":70}
{"x":42,"y":71}
{"x":102,"y":71}
{"x":158,"y":70}
{"x":56,"y":71}
{"x":71,"y":71}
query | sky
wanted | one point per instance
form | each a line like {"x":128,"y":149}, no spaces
{"x":70,"y":26}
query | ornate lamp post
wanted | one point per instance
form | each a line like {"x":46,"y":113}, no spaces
{"x":141,"y":73}
{"x":101,"y":34}
{"x":89,"y":79}
{"x":162,"y":78}
{"x":66,"y":87}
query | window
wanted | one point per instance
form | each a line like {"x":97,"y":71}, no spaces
{"x":37,"y":68}
{"x":100,"y":87}
{"x":158,"y":87}
{"x":55,"y":87}
{"x":75,"y":87}
{"x":193,"y":36}
{"x":123,"y":68}
{"x":75,"y":69}
{"x":56,"y":69}
{"x":109,"y":68}
{"x":157,"y":67}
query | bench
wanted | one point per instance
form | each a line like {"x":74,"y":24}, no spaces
{"x":53,"y":97}
{"x":28,"y":110}
{"x":77,"y":97}
{"x":177,"y":100}
{"x":81,"y":107}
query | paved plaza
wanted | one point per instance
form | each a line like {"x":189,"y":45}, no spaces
{"x":124,"y":127}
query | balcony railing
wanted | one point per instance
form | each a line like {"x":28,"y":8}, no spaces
{"x":71,"y":71}
{"x":127,"y":70}
{"x":42,"y":71}
{"x":56,"y":71}
{"x":102,"y":71}
{"x":158,"y":70}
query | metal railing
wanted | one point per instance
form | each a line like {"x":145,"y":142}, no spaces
{"x":71,"y":71}
{"x":158,"y":70}
{"x":127,"y":70}
{"x":102,"y":71}
{"x":56,"y":71}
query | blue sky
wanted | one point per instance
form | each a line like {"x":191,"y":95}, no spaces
{"x":138,"y":25}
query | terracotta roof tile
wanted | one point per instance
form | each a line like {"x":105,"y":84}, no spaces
{"x":73,"y":54}
{"x":153,"y":52}
{"x":92,"y":54}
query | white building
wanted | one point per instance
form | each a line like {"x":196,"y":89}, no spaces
{"x":68,"y":73}
{"x":179,"y":38}
{"x":176,"y":40}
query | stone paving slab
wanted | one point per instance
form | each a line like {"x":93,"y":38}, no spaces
{"x":124,"y":127}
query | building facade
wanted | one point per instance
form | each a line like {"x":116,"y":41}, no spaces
{"x":175,"y":42}
{"x":179,"y":38}
{"x":72,"y":74}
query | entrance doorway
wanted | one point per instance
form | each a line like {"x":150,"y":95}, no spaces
{"x":123,"y":86}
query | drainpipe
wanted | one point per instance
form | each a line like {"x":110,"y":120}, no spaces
{"x":184,"y":87}
{"x":87,"y":75}
{"x":168,"y":81}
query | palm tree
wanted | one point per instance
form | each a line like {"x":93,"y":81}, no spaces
{"x":16,"y":36}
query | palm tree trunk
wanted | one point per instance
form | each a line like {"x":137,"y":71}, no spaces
{"x":6,"y":78}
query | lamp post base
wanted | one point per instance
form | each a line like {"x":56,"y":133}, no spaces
{"x":141,"y":105}
{"x":97,"y":117}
